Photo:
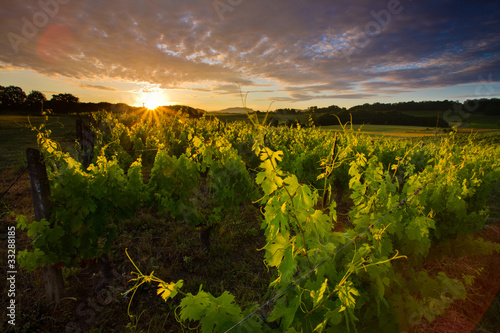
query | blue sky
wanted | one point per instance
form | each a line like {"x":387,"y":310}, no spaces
{"x":292,"y":53}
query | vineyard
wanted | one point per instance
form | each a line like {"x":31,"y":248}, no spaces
{"x":174,"y":224}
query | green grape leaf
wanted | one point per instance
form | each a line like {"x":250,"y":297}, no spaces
{"x":346,"y":293}
{"x":194,"y":307}
{"x":169,"y":290}
{"x":291,"y":183}
{"x":217,"y":314}
{"x":286,"y":309}
{"x":317,"y":295}
{"x":225,"y":314}
{"x":276,"y":250}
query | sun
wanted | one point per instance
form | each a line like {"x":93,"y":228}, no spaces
{"x":153,"y":101}
{"x":152,"y":98}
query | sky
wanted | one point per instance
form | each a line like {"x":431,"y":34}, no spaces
{"x":283,"y":53}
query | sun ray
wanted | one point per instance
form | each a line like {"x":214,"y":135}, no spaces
{"x":152,"y":98}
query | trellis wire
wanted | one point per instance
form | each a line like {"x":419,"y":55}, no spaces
{"x":15,"y":181}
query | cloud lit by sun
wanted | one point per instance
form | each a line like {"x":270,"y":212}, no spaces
{"x":326,"y":52}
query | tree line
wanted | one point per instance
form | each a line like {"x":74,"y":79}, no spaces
{"x":398,"y":113}
{"x":484,"y":106}
{"x":14,"y":99}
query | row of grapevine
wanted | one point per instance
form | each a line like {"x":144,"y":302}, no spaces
{"x":326,"y":276}
{"x":364,"y":282}
{"x":198,"y":187}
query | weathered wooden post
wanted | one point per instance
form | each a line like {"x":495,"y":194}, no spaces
{"x":204,"y":237}
{"x":40,"y":191}
{"x":87,"y":140}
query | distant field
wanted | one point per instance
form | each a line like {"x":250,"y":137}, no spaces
{"x":228,"y":116}
{"x":469,"y":120}
{"x":403,"y":131}
{"x":16,"y":136}
{"x":243,"y":117}
{"x":482,"y":122}
{"x":472,"y":121}
{"x":387,"y":130}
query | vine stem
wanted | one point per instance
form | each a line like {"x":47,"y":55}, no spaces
{"x":301,"y":230}
{"x":329,"y":167}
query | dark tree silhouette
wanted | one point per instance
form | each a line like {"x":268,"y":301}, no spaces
{"x":34,"y":101}
{"x":64,"y":103}
{"x":65,"y":98}
{"x":11,"y":98}
{"x":312,"y":109}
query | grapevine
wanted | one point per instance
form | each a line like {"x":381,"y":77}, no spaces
{"x":347,"y":219}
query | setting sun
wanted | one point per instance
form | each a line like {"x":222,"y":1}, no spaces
{"x":153,"y":102}
{"x":152,"y":99}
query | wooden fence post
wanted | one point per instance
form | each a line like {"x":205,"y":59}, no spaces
{"x":40,"y":191}
{"x":87,"y":140}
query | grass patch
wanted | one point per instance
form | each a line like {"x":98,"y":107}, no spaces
{"x":16,"y":136}
{"x":387,"y":130}
{"x":229,"y":117}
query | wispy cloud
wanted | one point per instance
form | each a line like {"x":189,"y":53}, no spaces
{"x":97,"y":87}
{"x":299,"y":46}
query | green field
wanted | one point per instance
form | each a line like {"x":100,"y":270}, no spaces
{"x":387,"y":130}
{"x":228,"y":117}
{"x":476,"y":121}
{"x":404,"y":131}
{"x":16,"y":135}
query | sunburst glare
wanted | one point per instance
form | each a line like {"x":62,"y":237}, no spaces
{"x":152,"y":98}
{"x":153,"y":101}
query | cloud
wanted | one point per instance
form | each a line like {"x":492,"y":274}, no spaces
{"x":308,"y":50}
{"x":98,"y":87}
